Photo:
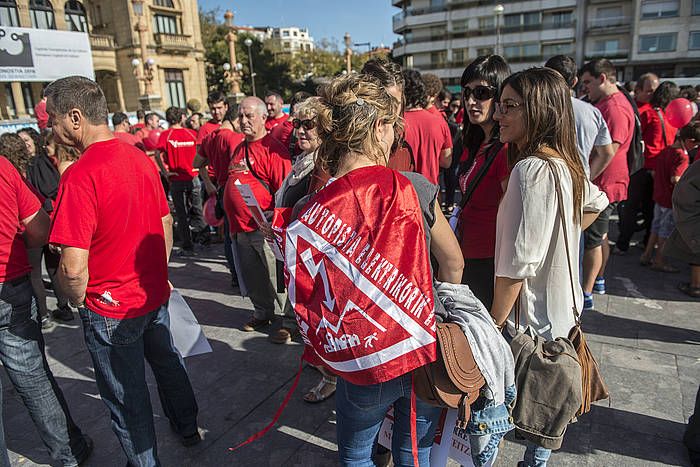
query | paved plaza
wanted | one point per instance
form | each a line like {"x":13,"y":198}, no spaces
{"x":644,"y":333}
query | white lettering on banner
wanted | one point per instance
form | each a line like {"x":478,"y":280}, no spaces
{"x":342,"y":257}
{"x":340,"y":343}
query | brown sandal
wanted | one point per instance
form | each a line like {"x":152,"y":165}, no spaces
{"x":689,"y":290}
{"x":322,"y":391}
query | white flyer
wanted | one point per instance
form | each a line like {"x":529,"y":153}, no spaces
{"x":259,"y":217}
{"x":188,"y":337}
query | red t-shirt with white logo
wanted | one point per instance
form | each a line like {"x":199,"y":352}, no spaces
{"x":217,"y":147}
{"x":207,"y":128}
{"x":428,"y":135}
{"x":618,"y":114}
{"x":272,"y":122}
{"x":270,"y":162}
{"x":17,"y":202}
{"x":672,"y":162}
{"x":179,"y":147}
{"x":111,"y":203}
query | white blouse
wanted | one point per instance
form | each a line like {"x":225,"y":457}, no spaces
{"x":530,"y":245}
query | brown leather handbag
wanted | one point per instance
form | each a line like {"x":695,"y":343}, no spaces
{"x":454,"y":379}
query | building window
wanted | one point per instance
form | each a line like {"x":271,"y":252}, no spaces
{"x":164,"y":3}
{"x":460,"y":25}
{"x":28,"y":98}
{"x":438,"y":59}
{"x":522,"y":51}
{"x":525,"y":20}
{"x":175,"y":88}
{"x":165,"y":24}
{"x":564,"y":48}
{"x":285,"y":33}
{"x":694,"y":42}
{"x":459,"y":56}
{"x":41,"y":13}
{"x":696,"y":7}
{"x":659,"y":8}
{"x":75,"y":16}
{"x":487,"y":22}
{"x":559,"y":19}
{"x":607,"y":17}
{"x":286,"y":45}
{"x":484,"y":51}
{"x":657,"y":43}
{"x":8,"y":13}
{"x":606,"y":46}
{"x":10,"y":101}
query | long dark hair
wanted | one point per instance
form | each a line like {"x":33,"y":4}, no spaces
{"x":665,"y":93}
{"x":492,"y":69}
{"x":548,"y":117}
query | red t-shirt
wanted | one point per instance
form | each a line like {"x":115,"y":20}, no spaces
{"x":619,"y":116}
{"x":672,"y":162}
{"x":111,"y":203}
{"x":207,"y":128}
{"x":435,"y":111}
{"x":128,"y":138}
{"x":272,"y":122}
{"x":42,"y":118}
{"x":428,"y":135}
{"x":653,"y":135}
{"x":283,"y":133}
{"x":17,"y":202}
{"x":270,"y":161}
{"x":459,"y":118}
{"x":179,"y":147}
{"x":478,"y":218}
{"x":217,"y":147}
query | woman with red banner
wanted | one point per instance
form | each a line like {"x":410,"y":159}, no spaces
{"x":537,"y":121}
{"x":360,"y":279}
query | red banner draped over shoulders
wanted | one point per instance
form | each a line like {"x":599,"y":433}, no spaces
{"x":359,"y":277}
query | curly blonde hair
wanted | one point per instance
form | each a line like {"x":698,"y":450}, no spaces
{"x":347,"y":111}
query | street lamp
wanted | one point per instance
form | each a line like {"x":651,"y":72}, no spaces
{"x":143,"y":68}
{"x":232,"y":77}
{"x":248,"y":43}
{"x":498,"y":12}
{"x":348,"y":53}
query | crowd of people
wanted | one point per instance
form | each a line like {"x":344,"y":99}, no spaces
{"x":503,"y":188}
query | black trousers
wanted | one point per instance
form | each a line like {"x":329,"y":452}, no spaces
{"x":479,"y":276}
{"x":639,"y":200}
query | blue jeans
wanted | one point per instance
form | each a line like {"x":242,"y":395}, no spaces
{"x":118,"y":348}
{"x":228,"y":241}
{"x":22,"y":355}
{"x":360,"y":412}
{"x":536,"y":456}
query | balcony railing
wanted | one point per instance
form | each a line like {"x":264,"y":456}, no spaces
{"x":600,"y":23}
{"x":102,"y":42}
{"x":402,"y":15}
{"x":173,"y":41}
{"x":609,"y":54}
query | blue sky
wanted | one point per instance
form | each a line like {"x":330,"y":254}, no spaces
{"x":365,"y":20}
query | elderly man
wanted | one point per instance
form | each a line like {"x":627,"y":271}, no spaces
{"x":114,"y":227}
{"x":275,"y":114}
{"x":261,"y":163}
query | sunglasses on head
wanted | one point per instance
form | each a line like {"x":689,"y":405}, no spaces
{"x":480,"y":93}
{"x":307,"y":124}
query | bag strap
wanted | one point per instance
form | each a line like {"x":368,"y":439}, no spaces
{"x":490,"y":157}
{"x":663,"y":125}
{"x":252,"y":171}
{"x":560,"y":209}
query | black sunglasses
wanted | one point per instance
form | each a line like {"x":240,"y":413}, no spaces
{"x":307,"y":124}
{"x":480,"y":93}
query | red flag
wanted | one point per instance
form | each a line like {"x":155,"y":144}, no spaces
{"x":359,"y":277}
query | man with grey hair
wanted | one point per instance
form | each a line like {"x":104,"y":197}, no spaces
{"x":113,"y":225}
{"x":262,"y":163}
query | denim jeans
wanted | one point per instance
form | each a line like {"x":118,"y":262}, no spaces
{"x":118,"y":348}
{"x":22,"y":355}
{"x":187,"y":198}
{"x":360,"y":412}
{"x":536,"y":456}
{"x":227,"y":248}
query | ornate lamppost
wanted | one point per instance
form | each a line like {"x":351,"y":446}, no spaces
{"x":144,"y":68}
{"x":249,"y":43}
{"x":232,"y":69}
{"x":498,"y":12}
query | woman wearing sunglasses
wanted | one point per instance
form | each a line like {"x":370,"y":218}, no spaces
{"x":483,"y":173}
{"x":537,"y":121}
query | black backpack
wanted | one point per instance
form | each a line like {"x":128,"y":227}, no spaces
{"x":635,"y":154}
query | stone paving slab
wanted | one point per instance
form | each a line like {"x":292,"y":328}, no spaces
{"x":644,"y":333}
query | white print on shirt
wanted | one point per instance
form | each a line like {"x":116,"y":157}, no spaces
{"x":107,"y":299}
{"x":181,"y":144}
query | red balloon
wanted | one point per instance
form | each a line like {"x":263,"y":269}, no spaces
{"x":679,"y":112}
{"x":209,"y":212}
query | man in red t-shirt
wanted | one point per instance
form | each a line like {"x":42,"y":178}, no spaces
{"x":262,"y":163}
{"x":218,"y":106}
{"x":598,"y":79}
{"x":114,"y":228}
{"x":122,"y":130}
{"x":275,"y":114}
{"x":670,"y":166}
{"x":433,"y":86}
{"x":177,"y":147}
{"x":428,"y":135}
{"x":23,"y":224}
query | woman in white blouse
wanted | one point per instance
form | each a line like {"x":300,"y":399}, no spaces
{"x":536,"y":119}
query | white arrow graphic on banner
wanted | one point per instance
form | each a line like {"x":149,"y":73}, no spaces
{"x":314,"y":269}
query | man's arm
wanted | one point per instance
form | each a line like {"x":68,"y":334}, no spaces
{"x":36,"y":229}
{"x":73,"y":273}
{"x":601,"y":158}
{"x":168,"y":232}
{"x":202,"y":163}
{"x":446,"y":158}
